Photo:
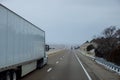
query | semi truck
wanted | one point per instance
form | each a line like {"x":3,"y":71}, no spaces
{"x":22,"y":46}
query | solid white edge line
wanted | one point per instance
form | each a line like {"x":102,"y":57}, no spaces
{"x":83,"y":67}
{"x":49,"y":69}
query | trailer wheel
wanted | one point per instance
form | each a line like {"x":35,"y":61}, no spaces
{"x":14,"y":75}
{"x":8,"y":76}
{"x":40,"y":63}
{"x":2,"y":76}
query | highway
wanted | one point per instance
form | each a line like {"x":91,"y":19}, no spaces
{"x":70,"y":65}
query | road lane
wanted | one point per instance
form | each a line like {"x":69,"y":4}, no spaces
{"x":42,"y":73}
{"x":67,"y":69}
{"x":61,"y":66}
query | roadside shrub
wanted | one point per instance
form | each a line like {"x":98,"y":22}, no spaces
{"x":90,"y":47}
{"x":115,"y":56}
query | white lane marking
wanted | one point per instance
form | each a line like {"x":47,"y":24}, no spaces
{"x":83,"y":67}
{"x":57,"y":62}
{"x":61,"y":58}
{"x":49,"y":69}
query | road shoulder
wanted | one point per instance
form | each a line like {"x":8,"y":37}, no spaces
{"x":97,"y":71}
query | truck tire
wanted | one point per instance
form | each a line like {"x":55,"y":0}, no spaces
{"x":2,"y":78}
{"x":14,"y":75}
{"x":40,"y":63}
{"x":8,"y":76}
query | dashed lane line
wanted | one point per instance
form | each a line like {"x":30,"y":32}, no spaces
{"x":57,"y":62}
{"x":49,"y":69}
{"x":61,"y":58}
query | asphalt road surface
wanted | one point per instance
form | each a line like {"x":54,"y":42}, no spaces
{"x":67,"y":65}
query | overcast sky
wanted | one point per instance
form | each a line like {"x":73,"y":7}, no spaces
{"x":68,"y":21}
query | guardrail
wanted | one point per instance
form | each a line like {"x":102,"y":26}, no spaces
{"x":101,"y":61}
{"x":108,"y":65}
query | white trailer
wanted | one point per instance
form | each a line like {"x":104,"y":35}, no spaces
{"x":22,"y":46}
